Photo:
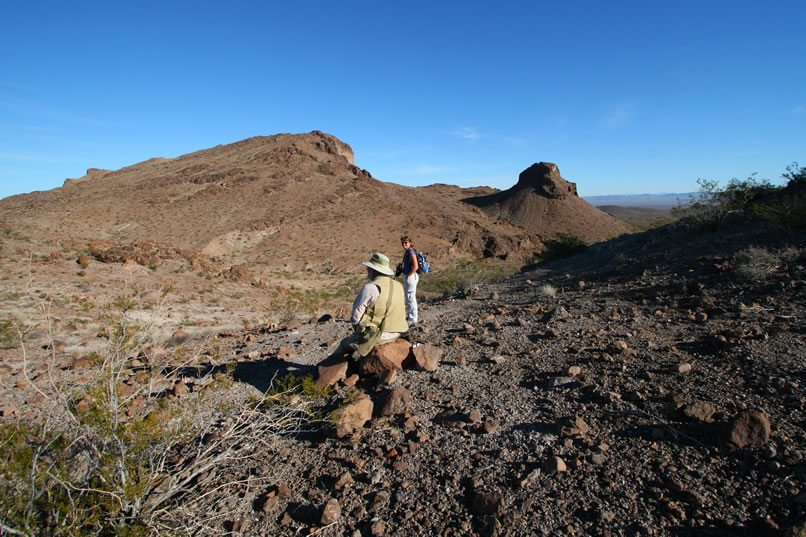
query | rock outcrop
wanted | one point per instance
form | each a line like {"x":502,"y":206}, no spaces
{"x":545,"y":204}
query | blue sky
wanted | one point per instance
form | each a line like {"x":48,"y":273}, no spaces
{"x":625,"y":97}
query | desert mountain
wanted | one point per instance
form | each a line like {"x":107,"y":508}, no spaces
{"x":544,"y":203}
{"x":294,"y":202}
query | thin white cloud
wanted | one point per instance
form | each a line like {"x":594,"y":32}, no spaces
{"x":517,"y":142}
{"x":467,"y":133}
{"x":797,"y":110}
{"x":619,"y":116}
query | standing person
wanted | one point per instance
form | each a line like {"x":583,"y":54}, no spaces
{"x":379,"y":310}
{"x":410,"y":279}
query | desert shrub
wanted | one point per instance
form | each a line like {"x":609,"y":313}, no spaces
{"x":709,"y":207}
{"x":548,"y":290}
{"x":755,"y":263}
{"x":795,"y":174}
{"x":560,"y":247}
{"x":751,"y":196}
{"x":98,"y":459}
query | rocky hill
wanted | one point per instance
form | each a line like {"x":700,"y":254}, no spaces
{"x":293,"y":203}
{"x":544,"y":203}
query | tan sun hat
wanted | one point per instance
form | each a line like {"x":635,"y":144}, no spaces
{"x":379,"y":262}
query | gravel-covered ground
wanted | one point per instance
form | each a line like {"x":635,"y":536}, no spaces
{"x":651,"y":386}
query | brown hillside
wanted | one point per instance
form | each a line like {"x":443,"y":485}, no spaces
{"x":288,"y":202}
{"x":544,"y":203}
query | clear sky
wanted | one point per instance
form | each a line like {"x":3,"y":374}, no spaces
{"x":624,"y":96}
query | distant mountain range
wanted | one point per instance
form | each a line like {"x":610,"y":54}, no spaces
{"x":650,"y":201}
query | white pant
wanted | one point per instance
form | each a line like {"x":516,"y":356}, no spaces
{"x":410,"y":288}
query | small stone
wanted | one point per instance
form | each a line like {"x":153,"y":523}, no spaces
{"x":618,"y":347}
{"x":490,"y":426}
{"x":270,"y":504}
{"x":426,"y":356}
{"x":331,"y":512}
{"x":377,"y":528}
{"x":391,"y":402}
{"x":560,"y":381}
{"x":574,"y":370}
{"x":684,"y":368}
{"x":345,"y":479}
{"x":554,"y":465}
{"x":486,"y":504}
{"x":699,"y":411}
{"x":572,"y":426}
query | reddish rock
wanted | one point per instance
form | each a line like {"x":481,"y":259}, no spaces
{"x":392,"y":402}
{"x":331,"y":512}
{"x":572,"y":426}
{"x":699,"y":411}
{"x":426,"y":356}
{"x":352,"y":416}
{"x":748,"y":428}
{"x":179,"y":389}
{"x":331,"y":374}
{"x":389,"y":356}
{"x":554,"y":465}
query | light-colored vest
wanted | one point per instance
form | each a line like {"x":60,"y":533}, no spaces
{"x":377,"y":318}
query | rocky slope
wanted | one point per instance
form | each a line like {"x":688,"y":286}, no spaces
{"x":652,"y":386}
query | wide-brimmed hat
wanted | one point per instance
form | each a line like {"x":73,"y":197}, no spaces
{"x":380,"y":263}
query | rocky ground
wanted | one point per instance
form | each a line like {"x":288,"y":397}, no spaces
{"x":652,"y":386}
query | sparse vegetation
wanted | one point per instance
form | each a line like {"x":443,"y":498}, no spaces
{"x":560,"y":247}
{"x":750,"y":196}
{"x":109,"y":457}
{"x":460,"y":278}
{"x":548,"y":290}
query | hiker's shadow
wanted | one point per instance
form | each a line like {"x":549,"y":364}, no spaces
{"x":261,"y":373}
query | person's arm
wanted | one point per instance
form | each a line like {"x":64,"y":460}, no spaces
{"x":414,"y":265}
{"x":368,"y":295}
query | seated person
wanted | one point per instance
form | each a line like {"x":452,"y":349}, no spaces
{"x":379,"y":310}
